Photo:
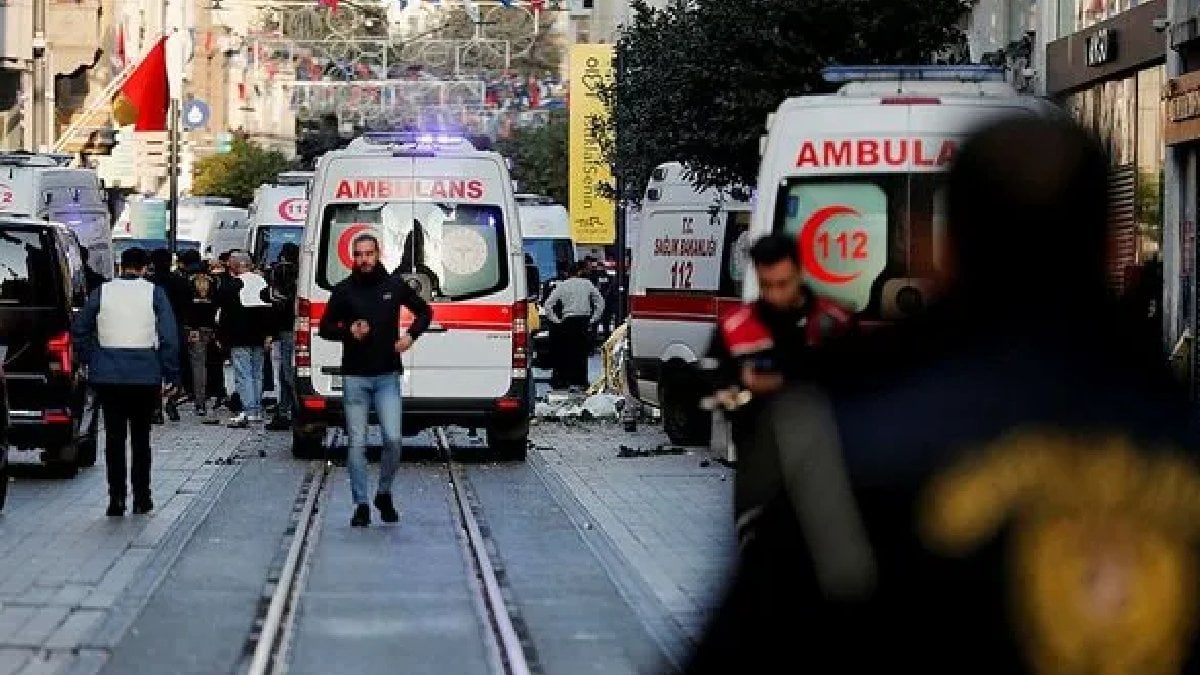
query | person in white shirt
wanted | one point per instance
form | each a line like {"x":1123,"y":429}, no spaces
{"x":573,"y":306}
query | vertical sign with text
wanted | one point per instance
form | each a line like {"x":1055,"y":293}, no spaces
{"x":593,"y":216}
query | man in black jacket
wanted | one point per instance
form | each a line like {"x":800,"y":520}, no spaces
{"x":282,"y":296}
{"x":364,"y":315}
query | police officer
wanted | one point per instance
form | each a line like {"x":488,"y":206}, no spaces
{"x":761,"y":345}
{"x":1005,"y":485}
{"x":127,"y":335}
{"x":572,"y":308}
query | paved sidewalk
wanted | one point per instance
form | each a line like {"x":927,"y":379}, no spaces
{"x":669,"y":517}
{"x":66,"y":570}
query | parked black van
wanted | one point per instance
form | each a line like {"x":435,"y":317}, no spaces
{"x":41,"y":286}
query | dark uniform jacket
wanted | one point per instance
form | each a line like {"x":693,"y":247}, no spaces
{"x":972,"y":496}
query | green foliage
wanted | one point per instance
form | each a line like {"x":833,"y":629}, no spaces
{"x":237,"y":173}
{"x":700,"y":77}
{"x":539,"y":156}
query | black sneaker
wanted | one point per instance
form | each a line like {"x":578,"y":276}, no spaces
{"x":278,"y":423}
{"x":116,"y":508}
{"x":362,"y":516}
{"x":172,"y":411}
{"x":387,"y":511}
{"x":142,"y":506}
{"x":201,"y":411}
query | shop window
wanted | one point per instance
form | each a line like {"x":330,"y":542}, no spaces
{"x":1150,"y":156}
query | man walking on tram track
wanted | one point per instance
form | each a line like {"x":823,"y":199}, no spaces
{"x":364,"y":315}
{"x":127,"y":336}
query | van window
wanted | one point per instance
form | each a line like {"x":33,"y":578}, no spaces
{"x":269,"y":241}
{"x":28,"y":276}
{"x":857,"y":232}
{"x":551,"y":256}
{"x":459,"y":247}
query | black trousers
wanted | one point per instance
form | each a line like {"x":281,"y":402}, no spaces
{"x":571,"y":345}
{"x":128,"y":409}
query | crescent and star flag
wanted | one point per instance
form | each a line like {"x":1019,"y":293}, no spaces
{"x":143,"y":98}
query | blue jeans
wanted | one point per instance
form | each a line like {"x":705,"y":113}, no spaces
{"x":287,"y":374}
{"x":359,"y":394}
{"x":248,"y":376}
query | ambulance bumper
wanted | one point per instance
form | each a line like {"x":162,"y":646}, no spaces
{"x":314,"y":413}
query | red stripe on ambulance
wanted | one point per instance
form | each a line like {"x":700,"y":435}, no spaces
{"x":457,"y":316}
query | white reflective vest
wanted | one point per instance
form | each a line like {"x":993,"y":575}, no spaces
{"x":126,"y":319}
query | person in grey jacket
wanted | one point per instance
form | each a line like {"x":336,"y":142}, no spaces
{"x":128,"y":337}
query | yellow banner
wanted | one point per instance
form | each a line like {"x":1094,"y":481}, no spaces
{"x":593,"y":217}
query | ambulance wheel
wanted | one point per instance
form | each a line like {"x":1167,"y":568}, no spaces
{"x":683,"y":420}
{"x":307,"y":444}
{"x":509,"y":444}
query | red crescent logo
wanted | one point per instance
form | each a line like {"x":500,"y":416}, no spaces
{"x":293,"y":209}
{"x":346,"y":240}
{"x":807,"y":242}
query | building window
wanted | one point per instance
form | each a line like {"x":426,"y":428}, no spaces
{"x":1077,"y":15}
{"x":1150,"y":157}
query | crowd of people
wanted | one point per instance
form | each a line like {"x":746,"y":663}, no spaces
{"x":158,"y":336}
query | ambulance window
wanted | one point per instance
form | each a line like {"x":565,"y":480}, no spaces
{"x":458,"y":248}
{"x":735,"y":254}
{"x":842,"y":227}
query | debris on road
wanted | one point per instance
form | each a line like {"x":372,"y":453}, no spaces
{"x":627,"y":451}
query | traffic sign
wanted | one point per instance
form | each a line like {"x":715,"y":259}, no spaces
{"x":195,"y":114}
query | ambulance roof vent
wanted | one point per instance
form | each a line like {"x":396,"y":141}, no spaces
{"x":22,"y":158}
{"x":418,"y":141}
{"x":293,"y":177}
{"x":204,"y":200}
{"x":964,"y":73}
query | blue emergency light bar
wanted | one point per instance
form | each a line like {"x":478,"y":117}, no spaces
{"x":964,"y":73}
{"x":420,"y":139}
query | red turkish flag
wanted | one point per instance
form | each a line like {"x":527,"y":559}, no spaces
{"x":146,"y":93}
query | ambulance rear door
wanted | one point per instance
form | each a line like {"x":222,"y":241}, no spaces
{"x":460,"y":236}
{"x":359,"y":194}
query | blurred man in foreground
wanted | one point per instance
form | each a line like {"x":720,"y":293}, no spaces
{"x":1003,"y":486}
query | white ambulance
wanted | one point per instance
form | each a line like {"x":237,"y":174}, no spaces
{"x":277,"y":215}
{"x":446,"y":218}
{"x":45,"y":188}
{"x":859,"y":177}
{"x":546,"y":229}
{"x":690,"y":261}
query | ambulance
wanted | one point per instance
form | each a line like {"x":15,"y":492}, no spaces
{"x":46,"y":188}
{"x":446,"y":218}
{"x":690,"y":261}
{"x":859,"y":177}
{"x":546,"y":228}
{"x":277,"y":216}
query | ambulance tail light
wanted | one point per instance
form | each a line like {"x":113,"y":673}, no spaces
{"x":911,"y":100}
{"x":303,"y":351}
{"x":520,"y":337}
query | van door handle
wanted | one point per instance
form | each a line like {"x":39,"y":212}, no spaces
{"x":437,"y":328}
